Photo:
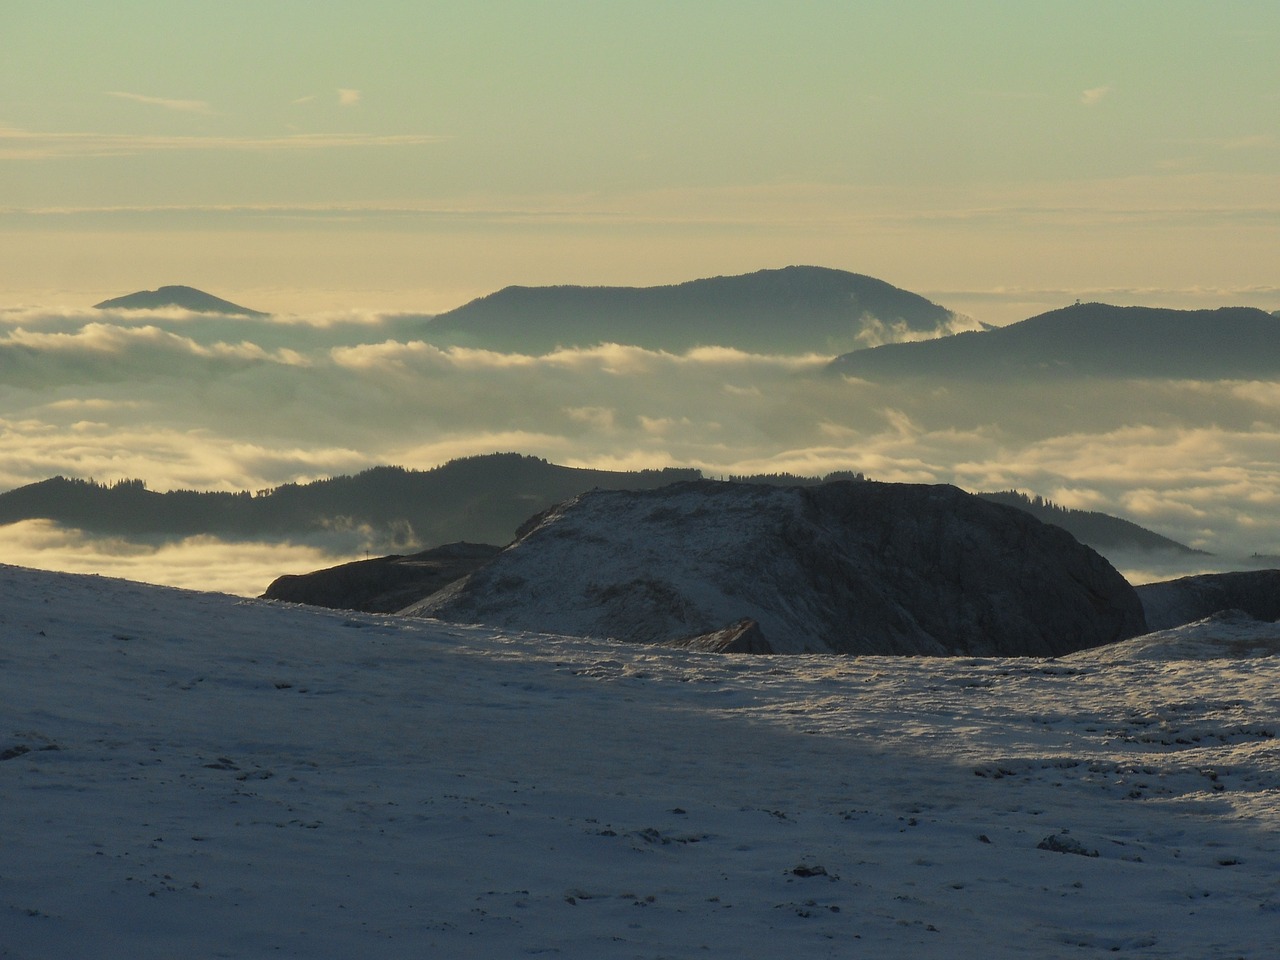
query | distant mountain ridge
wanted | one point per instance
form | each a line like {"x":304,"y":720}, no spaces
{"x":797,"y":309}
{"x":1091,"y":340}
{"x":483,"y":499}
{"x":188,"y":298}
{"x":1101,"y":531}
{"x":480,"y":499}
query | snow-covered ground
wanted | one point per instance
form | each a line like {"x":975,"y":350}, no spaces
{"x":191,"y":774}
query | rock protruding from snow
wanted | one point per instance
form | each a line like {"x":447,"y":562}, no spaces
{"x":848,"y":567}
{"x":1062,"y":843}
{"x":1171,"y":603}
{"x":745,"y":636}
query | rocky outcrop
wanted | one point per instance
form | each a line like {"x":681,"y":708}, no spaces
{"x":382,"y":584}
{"x":1172,"y":603}
{"x":745,"y":636}
{"x":847,"y":567}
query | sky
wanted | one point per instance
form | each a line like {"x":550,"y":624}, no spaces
{"x":999,"y":157}
{"x":344,"y":167}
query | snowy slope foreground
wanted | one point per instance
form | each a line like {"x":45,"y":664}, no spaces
{"x":844,"y":567}
{"x":196,"y":775}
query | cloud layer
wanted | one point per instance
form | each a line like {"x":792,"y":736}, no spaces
{"x":230,"y":404}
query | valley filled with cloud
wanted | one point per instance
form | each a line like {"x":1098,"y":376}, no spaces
{"x":191,"y":401}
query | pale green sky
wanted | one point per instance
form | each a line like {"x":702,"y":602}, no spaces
{"x":997,"y":156}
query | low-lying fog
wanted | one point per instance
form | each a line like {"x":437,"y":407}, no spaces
{"x":188,"y":401}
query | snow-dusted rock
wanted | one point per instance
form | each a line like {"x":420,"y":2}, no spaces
{"x":1063,"y":843}
{"x":382,"y":584}
{"x":745,"y":636}
{"x":851,"y":567}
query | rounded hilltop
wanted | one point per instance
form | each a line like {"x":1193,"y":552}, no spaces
{"x":187,"y":298}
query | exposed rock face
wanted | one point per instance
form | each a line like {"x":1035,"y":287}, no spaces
{"x":1172,"y":603}
{"x":383,"y":584}
{"x":848,"y":567}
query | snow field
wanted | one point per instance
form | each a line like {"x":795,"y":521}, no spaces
{"x":193,"y":774}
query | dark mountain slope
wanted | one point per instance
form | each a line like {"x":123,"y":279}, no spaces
{"x":478,"y":498}
{"x":1091,"y":340}
{"x":792,"y":310}
{"x":188,"y":298}
{"x":1101,"y":531}
{"x":128,"y":508}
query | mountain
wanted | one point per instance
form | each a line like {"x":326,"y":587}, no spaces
{"x":385,"y":584}
{"x":481,"y":499}
{"x":1101,"y":531}
{"x":1090,"y":340}
{"x":792,"y":310}
{"x":848,"y":567}
{"x":188,"y":298}
{"x":189,"y":774}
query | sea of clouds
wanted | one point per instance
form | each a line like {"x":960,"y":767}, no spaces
{"x":188,"y":401}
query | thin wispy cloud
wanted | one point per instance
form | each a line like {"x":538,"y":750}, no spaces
{"x":26,"y":145}
{"x":1094,"y":95}
{"x":1181,"y":297}
{"x":1256,"y":141}
{"x":1246,"y":142}
{"x":1107,"y":206}
{"x":348,"y":97}
{"x":184,"y":106}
